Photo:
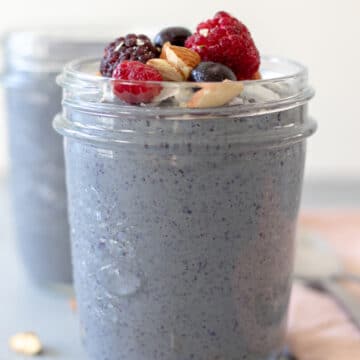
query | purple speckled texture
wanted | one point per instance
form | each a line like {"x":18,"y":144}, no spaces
{"x":183,"y":245}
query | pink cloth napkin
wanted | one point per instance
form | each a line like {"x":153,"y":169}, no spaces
{"x":318,"y":328}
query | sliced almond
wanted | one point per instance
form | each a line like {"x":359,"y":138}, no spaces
{"x":181,"y":57}
{"x":168,"y":71}
{"x":215,"y":94}
{"x":26,"y":343}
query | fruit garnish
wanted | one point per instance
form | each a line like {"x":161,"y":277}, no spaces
{"x":136,"y":71}
{"x":209,"y":71}
{"x":215,"y":94}
{"x":220,"y":51}
{"x":176,"y":35}
{"x":182,"y":58}
{"x":226,"y":40}
{"x":129,"y":47}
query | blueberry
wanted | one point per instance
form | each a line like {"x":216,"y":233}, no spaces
{"x":176,"y":35}
{"x":211,"y":71}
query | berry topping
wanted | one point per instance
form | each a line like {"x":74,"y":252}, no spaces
{"x":211,"y":71}
{"x":130,"y":47}
{"x":226,"y":40}
{"x":136,"y":93}
{"x":175,"y":35}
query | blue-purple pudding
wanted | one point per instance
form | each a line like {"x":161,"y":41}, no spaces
{"x":183,"y":200}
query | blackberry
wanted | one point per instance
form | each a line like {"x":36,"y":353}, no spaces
{"x":131,"y":47}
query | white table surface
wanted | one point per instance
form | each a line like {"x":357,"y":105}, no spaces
{"x":27,"y":308}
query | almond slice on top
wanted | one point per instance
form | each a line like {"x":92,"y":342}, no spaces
{"x":181,"y":57}
{"x":168,"y":71}
{"x":215,"y":94}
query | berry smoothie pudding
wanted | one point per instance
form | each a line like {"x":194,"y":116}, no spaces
{"x":31,"y":62}
{"x":185,"y":159}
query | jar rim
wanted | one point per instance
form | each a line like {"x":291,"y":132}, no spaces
{"x":38,"y":48}
{"x":285,"y":80}
{"x":92,"y":112}
{"x":72,"y":69}
{"x":48,"y":49}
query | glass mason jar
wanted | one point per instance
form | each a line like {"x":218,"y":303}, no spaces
{"x":31,"y":62}
{"x":183,"y":219}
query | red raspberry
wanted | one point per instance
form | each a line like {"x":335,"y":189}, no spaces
{"x":136,"y":93}
{"x":226,"y":40}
